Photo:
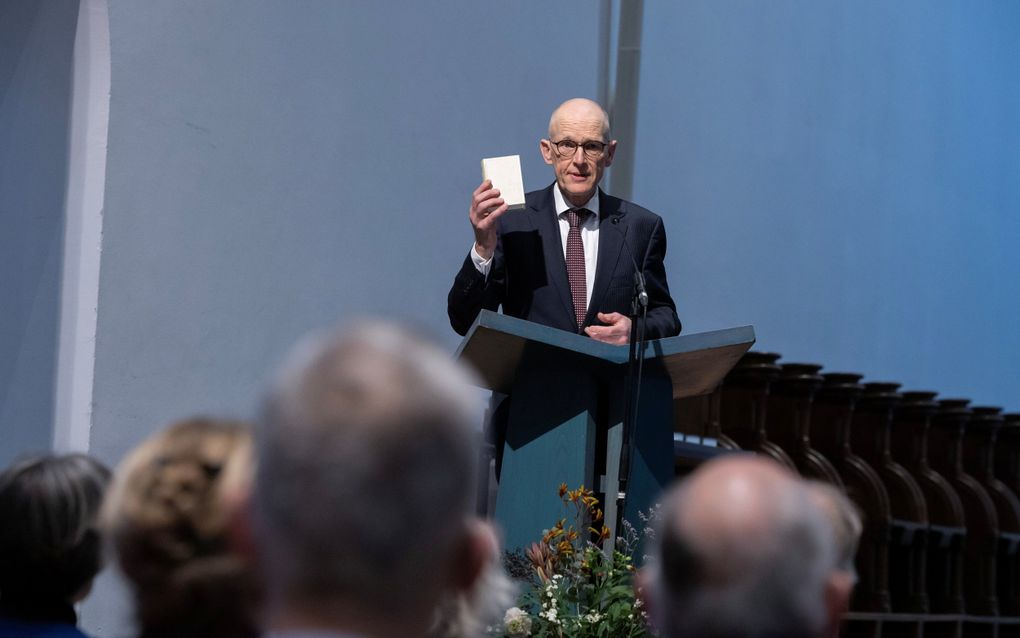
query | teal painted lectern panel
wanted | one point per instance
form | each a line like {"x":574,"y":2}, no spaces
{"x":550,"y":440}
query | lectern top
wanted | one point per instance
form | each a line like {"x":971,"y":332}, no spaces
{"x":696,"y":363}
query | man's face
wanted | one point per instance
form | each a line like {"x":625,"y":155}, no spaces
{"x":577,"y":174}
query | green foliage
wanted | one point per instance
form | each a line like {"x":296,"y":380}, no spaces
{"x":574,"y":589}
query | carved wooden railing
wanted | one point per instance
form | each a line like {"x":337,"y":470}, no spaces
{"x":937,"y":483}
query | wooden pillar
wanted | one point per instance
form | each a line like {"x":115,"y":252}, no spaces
{"x":743,"y":406}
{"x":790,"y":420}
{"x":945,"y":451}
{"x":909,"y":447}
{"x":870,"y":436}
{"x":831,"y":417}
{"x":978,"y":461}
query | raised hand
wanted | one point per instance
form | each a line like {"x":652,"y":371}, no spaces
{"x":486,"y":208}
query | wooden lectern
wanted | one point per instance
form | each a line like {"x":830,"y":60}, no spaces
{"x":568,"y":401}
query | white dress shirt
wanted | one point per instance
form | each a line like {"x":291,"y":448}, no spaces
{"x":589,"y":237}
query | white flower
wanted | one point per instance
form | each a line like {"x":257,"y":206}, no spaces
{"x":550,"y":615}
{"x":517,"y":622}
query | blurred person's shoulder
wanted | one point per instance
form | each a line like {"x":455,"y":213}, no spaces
{"x":18,"y":629}
{"x":309,"y":634}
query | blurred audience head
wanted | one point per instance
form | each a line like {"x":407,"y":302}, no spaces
{"x":467,"y":613}
{"x":743,"y":552}
{"x":362,"y":507}
{"x":50,"y":546}
{"x":845,"y":520}
{"x":169,"y":517}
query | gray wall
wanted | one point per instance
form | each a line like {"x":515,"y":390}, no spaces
{"x":278,"y":166}
{"x":36,"y":42}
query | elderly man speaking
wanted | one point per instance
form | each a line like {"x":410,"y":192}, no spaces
{"x":560,"y":261}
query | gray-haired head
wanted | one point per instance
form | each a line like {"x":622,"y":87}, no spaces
{"x":845,"y":520}
{"x":743,"y":553}
{"x":365,"y":470}
{"x":49,"y":544}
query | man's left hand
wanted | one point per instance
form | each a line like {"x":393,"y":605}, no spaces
{"x":616,"y":331}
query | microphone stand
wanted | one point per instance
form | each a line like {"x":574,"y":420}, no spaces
{"x":632,"y":393}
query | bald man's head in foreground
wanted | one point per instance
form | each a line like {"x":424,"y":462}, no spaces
{"x":744,"y":551}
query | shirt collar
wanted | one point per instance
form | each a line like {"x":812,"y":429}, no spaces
{"x":562,"y":206}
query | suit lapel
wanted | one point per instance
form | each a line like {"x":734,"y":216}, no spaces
{"x":544,"y":219}
{"x":611,"y":238}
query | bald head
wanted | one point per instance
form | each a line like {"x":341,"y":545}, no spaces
{"x":728,"y":509}
{"x":744,"y":552}
{"x":583,"y":127}
{"x":581,"y":111}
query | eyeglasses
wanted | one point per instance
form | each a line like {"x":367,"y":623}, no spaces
{"x":592,"y":150}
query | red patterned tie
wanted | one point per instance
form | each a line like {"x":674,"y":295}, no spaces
{"x":575,"y":265}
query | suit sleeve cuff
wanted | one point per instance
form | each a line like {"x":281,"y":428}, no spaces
{"x":481,"y":265}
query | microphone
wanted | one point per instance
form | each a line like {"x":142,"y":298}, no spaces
{"x":639,"y":276}
{"x":635,"y":363}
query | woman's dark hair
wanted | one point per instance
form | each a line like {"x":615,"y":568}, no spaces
{"x":49,"y":544}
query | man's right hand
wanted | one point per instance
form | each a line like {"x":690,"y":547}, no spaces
{"x":486,"y":208}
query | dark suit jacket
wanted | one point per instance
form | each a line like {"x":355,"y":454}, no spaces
{"x":528,"y":276}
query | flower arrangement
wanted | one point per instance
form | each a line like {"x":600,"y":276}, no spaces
{"x":572,"y":587}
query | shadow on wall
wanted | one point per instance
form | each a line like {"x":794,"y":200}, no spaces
{"x":36,"y":53}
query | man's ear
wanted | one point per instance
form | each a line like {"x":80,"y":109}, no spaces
{"x":548,"y":154}
{"x":610,"y":153}
{"x":479,"y":549}
{"x":838,"y":588}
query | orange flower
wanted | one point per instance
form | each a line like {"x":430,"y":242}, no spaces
{"x":563,"y":489}
{"x":542,"y":560}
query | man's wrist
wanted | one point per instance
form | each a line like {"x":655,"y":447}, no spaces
{"x":483,"y":253}
{"x":481,"y":264}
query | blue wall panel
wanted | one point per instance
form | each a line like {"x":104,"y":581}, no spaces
{"x":843,"y":176}
{"x":36,"y":44}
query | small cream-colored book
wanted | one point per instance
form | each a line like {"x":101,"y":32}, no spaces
{"x":505,"y":174}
